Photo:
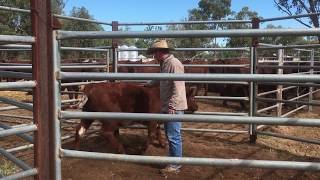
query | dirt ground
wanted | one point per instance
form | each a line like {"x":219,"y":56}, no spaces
{"x":195,"y":144}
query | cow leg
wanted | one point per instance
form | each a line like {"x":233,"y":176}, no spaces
{"x":160,"y":139}
{"x":81,"y":130}
{"x":154,"y":134}
{"x":108,"y":132}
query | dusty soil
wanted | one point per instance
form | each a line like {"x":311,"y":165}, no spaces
{"x":195,"y":144}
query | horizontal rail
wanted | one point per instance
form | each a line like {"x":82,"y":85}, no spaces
{"x":289,"y":66}
{"x":197,"y":130}
{"x":291,"y":84}
{"x":24,"y":84}
{"x":29,"y":67}
{"x":186,"y":65}
{"x":189,"y":77}
{"x":220,"y":113}
{"x":18,"y":130}
{"x":215,"y":130}
{"x":223,"y":98}
{"x":56,"y":15}
{"x":7,"y":108}
{"x":23,"y":46}
{"x":183,"y":22}
{"x":191,"y":49}
{"x":187,"y":33}
{"x":288,"y":17}
{"x":15,"y":160}
{"x":193,"y":161}
{"x":16,"y":116}
{"x":17,"y":39}
{"x":15,"y":49}
{"x":23,"y":136}
{"x":20,"y":175}
{"x":189,"y":118}
{"x":82,"y":19}
{"x":289,"y":137}
{"x":22,"y":105}
{"x":218,"y":82}
{"x":5,"y":8}
{"x":9,"y":74}
{"x":292,"y":46}
{"x":24,"y":147}
{"x":287,"y":101}
{"x":80,"y":83}
{"x":84,"y":49}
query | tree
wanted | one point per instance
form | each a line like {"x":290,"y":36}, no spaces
{"x":244,"y":14}
{"x":18,"y":23}
{"x":82,"y":12}
{"x":295,"y":7}
{"x":207,"y":10}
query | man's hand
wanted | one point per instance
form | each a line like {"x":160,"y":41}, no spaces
{"x":171,"y":111}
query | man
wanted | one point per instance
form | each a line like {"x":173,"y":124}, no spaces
{"x":173,"y":99}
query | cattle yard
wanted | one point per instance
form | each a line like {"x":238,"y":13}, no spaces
{"x":256,"y":113}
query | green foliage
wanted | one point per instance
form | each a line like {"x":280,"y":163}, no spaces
{"x":294,"y":7}
{"x":284,"y":40}
{"x":207,"y":10}
{"x":244,"y":14}
{"x":73,"y":25}
{"x":17,"y":23}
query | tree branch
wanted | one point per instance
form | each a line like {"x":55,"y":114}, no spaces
{"x":304,"y":6}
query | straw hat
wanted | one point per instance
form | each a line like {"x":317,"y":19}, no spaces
{"x":159,"y":45}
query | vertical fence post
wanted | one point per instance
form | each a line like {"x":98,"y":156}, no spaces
{"x":280,"y":87}
{"x":253,"y":85}
{"x":115,"y":27}
{"x":311,"y":73}
{"x":42,"y":72}
{"x":57,"y":105}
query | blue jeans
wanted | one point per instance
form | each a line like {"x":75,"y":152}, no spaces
{"x":172,"y":130}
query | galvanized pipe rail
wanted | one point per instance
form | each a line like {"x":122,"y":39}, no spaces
{"x":23,"y":136}
{"x":190,"y":118}
{"x":14,"y":102}
{"x":23,"y":174}
{"x":189,"y":76}
{"x":24,"y":84}
{"x":188,"y":65}
{"x":18,"y":130}
{"x":15,"y":160}
{"x":64,"y":35}
{"x":194,"y":161}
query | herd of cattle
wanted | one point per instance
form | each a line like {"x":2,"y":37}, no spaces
{"x":135,"y":98}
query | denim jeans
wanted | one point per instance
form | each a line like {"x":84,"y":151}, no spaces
{"x":172,"y":130}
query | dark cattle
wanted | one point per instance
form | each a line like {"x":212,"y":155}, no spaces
{"x":143,"y":69}
{"x":236,"y":90}
{"x":200,"y":70}
{"x":15,"y":62}
{"x":123,"y":97}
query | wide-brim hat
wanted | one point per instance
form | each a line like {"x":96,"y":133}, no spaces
{"x":159,"y":45}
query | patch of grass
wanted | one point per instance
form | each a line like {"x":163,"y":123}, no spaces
{"x":7,"y":167}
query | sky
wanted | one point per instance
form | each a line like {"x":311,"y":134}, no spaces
{"x":166,"y":10}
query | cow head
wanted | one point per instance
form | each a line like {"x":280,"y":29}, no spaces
{"x":192,"y":105}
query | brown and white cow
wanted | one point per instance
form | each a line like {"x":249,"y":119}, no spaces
{"x":124,"y":97}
